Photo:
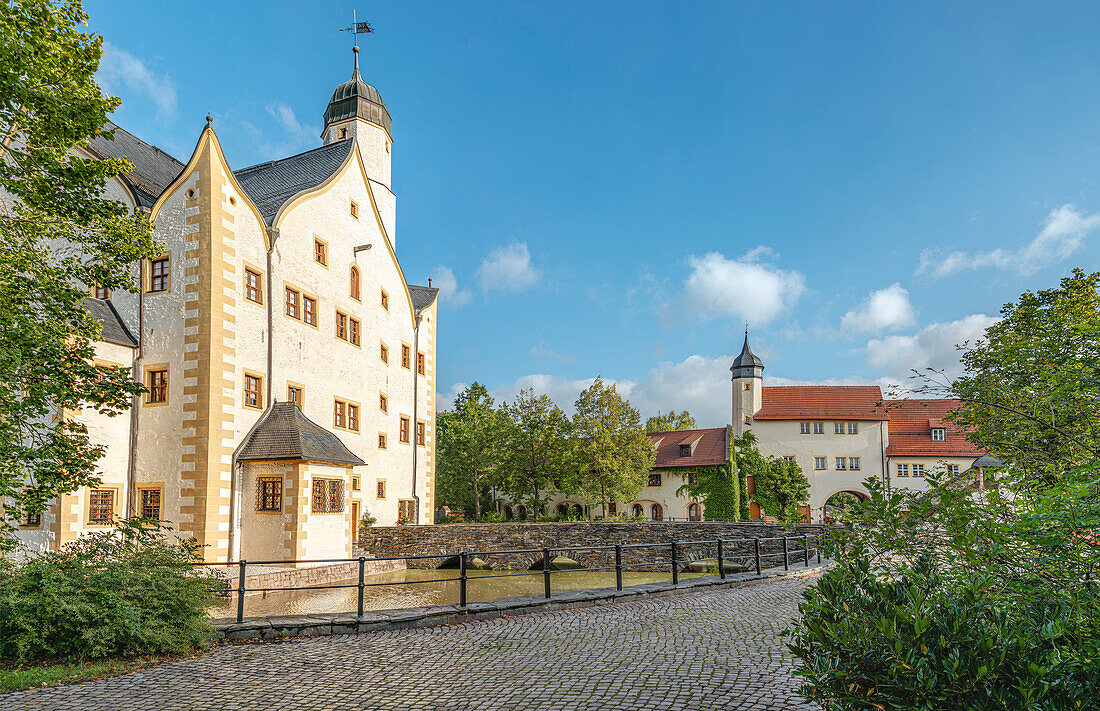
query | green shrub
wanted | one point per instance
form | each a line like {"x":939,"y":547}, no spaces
{"x":130,"y":591}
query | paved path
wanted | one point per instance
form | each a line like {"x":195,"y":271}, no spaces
{"x":714,"y":649}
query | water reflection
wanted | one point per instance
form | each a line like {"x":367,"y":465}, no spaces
{"x":419,"y":588}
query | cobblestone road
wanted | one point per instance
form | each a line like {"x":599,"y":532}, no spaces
{"x":714,"y":649}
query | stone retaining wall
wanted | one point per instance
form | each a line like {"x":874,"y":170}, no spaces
{"x":268,"y":576}
{"x":478,"y":539}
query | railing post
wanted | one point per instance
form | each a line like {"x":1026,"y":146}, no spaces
{"x":546,"y":572}
{"x":806,"y":550}
{"x":786,"y":555}
{"x":675,"y":566}
{"x":818,"y":547}
{"x":462,"y":579}
{"x":618,"y":567}
{"x":362,"y":586}
{"x":240,"y":593}
{"x":756,"y":551}
{"x":721,"y":564}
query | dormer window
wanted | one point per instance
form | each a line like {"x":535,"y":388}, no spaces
{"x":685,"y":450}
{"x":939,"y":434}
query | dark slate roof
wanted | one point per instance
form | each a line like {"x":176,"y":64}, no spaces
{"x":422,"y":296}
{"x":283,"y":432}
{"x":154,"y":170}
{"x":271,"y":185}
{"x":357,"y":99}
{"x":114,"y":330}
{"x":745,"y":364}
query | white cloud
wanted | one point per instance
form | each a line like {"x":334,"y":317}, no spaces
{"x":884,"y":309}
{"x":120,"y":71}
{"x":934,"y":346}
{"x":298,"y":135}
{"x":543,"y":350}
{"x":1063,"y":233}
{"x":743,"y":287}
{"x":449,"y":293}
{"x":507,"y":268}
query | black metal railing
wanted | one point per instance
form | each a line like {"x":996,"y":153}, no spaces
{"x":744,"y":549}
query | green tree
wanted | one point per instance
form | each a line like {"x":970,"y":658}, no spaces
{"x":614,"y":456}
{"x":538,"y":451}
{"x":672,"y":422}
{"x":469,"y":440}
{"x":49,"y":105}
{"x":718,"y":489}
{"x":779,"y":486}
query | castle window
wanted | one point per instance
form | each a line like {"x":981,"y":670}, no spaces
{"x":403,"y":431}
{"x":902,"y":469}
{"x":159,"y":272}
{"x":309,"y":310}
{"x":380,"y":489}
{"x":788,"y":458}
{"x":355,"y":483}
{"x":420,"y":363}
{"x":385,"y":300}
{"x":853,"y":464}
{"x":939,"y":434}
{"x":150,"y":504}
{"x":345,"y":415}
{"x":382,"y":440}
{"x":406,"y":356}
{"x":353,"y":208}
{"x":101,"y":505}
{"x":341,"y":326}
{"x":820,"y":463}
{"x":353,"y":417}
{"x":354,"y":328}
{"x":420,"y":435}
{"x":654,"y":479}
{"x":841,"y":463}
{"x":339,"y":414}
{"x":656,"y":513}
{"x":253,"y":384}
{"x":328,"y":496}
{"x":693,"y":512}
{"x":691,"y":478}
{"x":804,"y":427}
{"x":290,"y":301}
{"x":853,"y":428}
{"x":384,"y":353}
{"x":953,"y":469}
{"x":383,"y":402}
{"x":158,"y":386}
{"x":838,"y":428}
{"x":320,"y":251}
{"x":918,"y":470}
{"x":269,"y":493}
{"x":102,"y":293}
{"x":748,"y":420}
{"x":31,"y":520}
{"x":819,"y":428}
{"x":252,"y":289}
{"x":296,"y":395}
{"x":353,"y":283}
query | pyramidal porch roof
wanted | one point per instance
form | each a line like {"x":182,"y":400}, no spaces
{"x":285,"y":433}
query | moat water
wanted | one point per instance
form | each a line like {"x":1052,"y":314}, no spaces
{"x":420,"y":588}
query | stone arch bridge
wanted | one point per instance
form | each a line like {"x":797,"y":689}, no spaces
{"x":523,"y":543}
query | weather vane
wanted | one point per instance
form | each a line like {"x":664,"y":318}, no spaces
{"x":357,"y":28}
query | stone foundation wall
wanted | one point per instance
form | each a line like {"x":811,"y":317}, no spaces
{"x":479,"y":539}
{"x":288,"y":577}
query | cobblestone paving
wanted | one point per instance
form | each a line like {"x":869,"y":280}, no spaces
{"x":714,"y":649}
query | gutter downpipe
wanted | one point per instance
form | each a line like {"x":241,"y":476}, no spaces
{"x":135,"y":400}
{"x":416,"y":407}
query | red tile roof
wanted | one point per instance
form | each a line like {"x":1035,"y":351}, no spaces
{"x":710,"y":450}
{"x":822,"y":402}
{"x":911,"y":423}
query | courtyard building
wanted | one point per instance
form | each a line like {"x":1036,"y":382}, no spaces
{"x":290,"y":366}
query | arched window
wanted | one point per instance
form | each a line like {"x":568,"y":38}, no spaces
{"x":655,"y":513}
{"x":693,"y":512}
{"x":637,"y":511}
{"x":353,"y":283}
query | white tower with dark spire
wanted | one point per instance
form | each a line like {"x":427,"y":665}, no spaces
{"x":748,"y":380}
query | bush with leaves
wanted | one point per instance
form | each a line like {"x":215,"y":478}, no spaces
{"x":126,"y":592}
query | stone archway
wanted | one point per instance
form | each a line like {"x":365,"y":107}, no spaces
{"x":841,"y":500}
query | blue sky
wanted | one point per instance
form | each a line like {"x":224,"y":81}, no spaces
{"x":615,"y":189}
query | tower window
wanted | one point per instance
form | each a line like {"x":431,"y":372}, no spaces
{"x":158,"y":386}
{"x":354,"y":209}
{"x":343,"y":133}
{"x":158,"y":274}
{"x":353,"y":283}
{"x":748,"y":386}
{"x":320,"y":252}
{"x":748,"y":420}
{"x":403,"y":431}
{"x":384,"y":353}
{"x":420,"y":363}
{"x":385,"y":300}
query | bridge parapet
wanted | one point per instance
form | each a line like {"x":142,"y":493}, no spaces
{"x":452,"y":539}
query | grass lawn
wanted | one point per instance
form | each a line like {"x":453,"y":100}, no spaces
{"x":13,"y":678}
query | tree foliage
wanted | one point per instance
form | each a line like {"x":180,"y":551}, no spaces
{"x":779,"y":486}
{"x":469,"y":441}
{"x":614,"y":455}
{"x":538,"y":454}
{"x":50,"y":195}
{"x":981,"y":594}
{"x":671,"y":422}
